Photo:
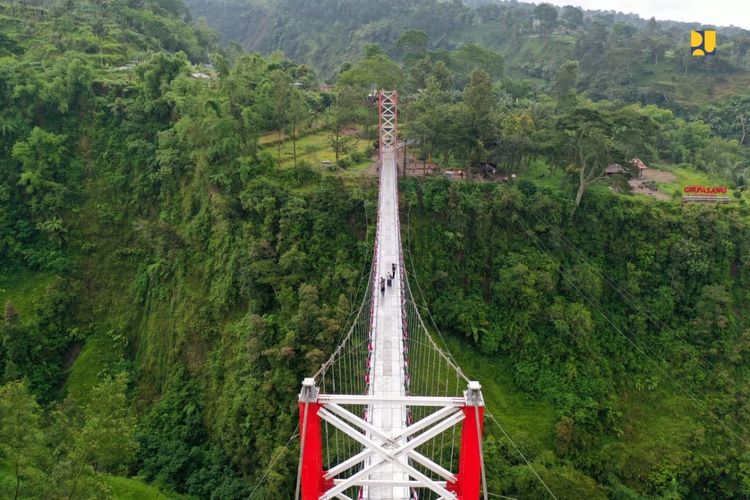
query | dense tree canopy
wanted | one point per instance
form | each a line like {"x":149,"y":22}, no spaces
{"x":175,"y":258}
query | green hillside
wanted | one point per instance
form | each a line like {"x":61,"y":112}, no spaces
{"x":622,"y":57}
{"x":185,"y":228}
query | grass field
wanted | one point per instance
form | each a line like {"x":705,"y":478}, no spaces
{"x":121,"y":488}
{"x":22,"y":288}
{"x":126,"y":488}
{"x":656,"y":428}
{"x":313,"y":149}
{"x":686,"y":177}
{"x":668,"y":185}
{"x":97,"y":355}
{"x":526,"y":419}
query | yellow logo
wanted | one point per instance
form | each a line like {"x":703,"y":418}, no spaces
{"x":703,"y":42}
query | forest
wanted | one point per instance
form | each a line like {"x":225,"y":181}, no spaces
{"x":186,"y":224}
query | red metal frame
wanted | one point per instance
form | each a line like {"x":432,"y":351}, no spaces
{"x":312,"y":483}
{"x":468,"y":485}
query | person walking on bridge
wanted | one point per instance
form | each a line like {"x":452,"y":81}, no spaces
{"x":382,"y":285}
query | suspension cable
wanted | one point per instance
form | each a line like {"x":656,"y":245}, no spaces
{"x":273,"y":462}
{"x":492,"y":417}
{"x":641,"y":349}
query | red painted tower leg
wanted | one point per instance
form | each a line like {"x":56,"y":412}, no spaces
{"x":469,"y":483}
{"x":312,"y":483}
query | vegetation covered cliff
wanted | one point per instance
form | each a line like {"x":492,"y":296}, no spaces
{"x":175,"y":256}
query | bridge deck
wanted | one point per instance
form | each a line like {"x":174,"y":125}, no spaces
{"x":387,"y":372}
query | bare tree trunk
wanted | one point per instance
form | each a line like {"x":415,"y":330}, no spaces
{"x":579,"y":194}
{"x":743,"y":124}
{"x":581,"y":176}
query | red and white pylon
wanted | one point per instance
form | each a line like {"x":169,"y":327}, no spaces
{"x":398,"y":450}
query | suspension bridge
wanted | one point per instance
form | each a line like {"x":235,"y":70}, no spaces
{"x":390,"y":415}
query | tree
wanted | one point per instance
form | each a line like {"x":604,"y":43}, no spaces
{"x":340,"y":142}
{"x":100,"y":439}
{"x":587,"y":140}
{"x":475,"y":128}
{"x":516,"y":143}
{"x":471,"y":57}
{"x":547,"y":15}
{"x":346,"y":111}
{"x":591,"y":45}
{"x":564,"y":435}
{"x":634,"y":134}
{"x":375,"y":69}
{"x":158,"y":72}
{"x":572,"y":17}
{"x":592,"y":138}
{"x":730,"y":117}
{"x":565,"y":83}
{"x":109,"y":426}
{"x":412,"y":41}
{"x":43,"y":175}
{"x":713,"y":319}
{"x":14,"y":344}
{"x":424,"y":69}
{"x":280,"y":94}
{"x":743,"y":121}
{"x":21,"y":439}
{"x":430,"y":108}
{"x":371,"y":50}
{"x":478,"y":95}
{"x":8,"y":44}
{"x":656,"y":46}
{"x":299,"y":112}
{"x":173,"y":442}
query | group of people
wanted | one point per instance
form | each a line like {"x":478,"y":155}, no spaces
{"x":389,"y":280}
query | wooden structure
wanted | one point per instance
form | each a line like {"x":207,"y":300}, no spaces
{"x":640,"y":165}
{"x":614,"y":169}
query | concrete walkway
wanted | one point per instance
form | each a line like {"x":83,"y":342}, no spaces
{"x":387,"y":372}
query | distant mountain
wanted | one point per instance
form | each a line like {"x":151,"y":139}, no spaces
{"x":622,"y":56}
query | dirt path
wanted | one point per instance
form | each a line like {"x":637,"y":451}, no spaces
{"x":650,"y":176}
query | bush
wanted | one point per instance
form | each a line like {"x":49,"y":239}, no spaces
{"x":357,"y":157}
{"x":527,"y":187}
